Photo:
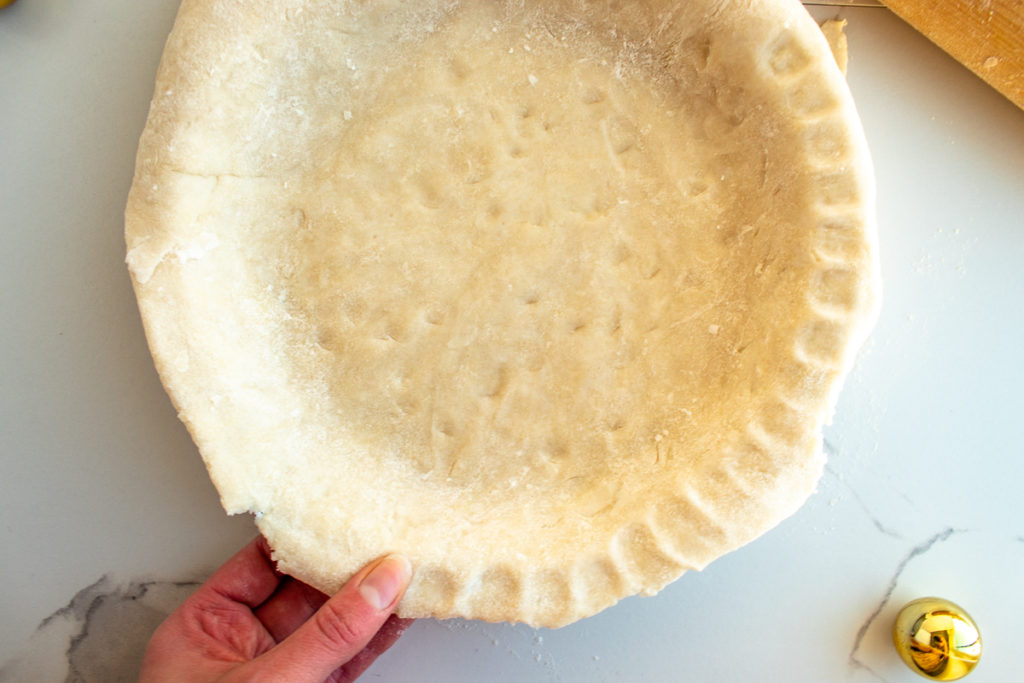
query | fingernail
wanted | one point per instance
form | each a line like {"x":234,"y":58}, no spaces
{"x":381,"y":587}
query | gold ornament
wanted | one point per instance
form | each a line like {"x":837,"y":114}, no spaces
{"x":937,"y":639}
{"x":5,"y":3}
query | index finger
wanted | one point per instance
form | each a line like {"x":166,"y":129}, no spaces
{"x":249,"y":577}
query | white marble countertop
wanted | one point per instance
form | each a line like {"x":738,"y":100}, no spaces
{"x":108,"y":514}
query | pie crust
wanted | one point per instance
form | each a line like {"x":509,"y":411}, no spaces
{"x":552,"y":297}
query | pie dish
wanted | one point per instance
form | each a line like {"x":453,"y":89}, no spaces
{"x":551,"y":297}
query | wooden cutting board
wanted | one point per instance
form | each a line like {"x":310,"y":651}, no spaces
{"x":987,"y":36}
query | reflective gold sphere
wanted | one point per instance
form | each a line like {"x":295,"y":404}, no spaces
{"x":937,"y":639}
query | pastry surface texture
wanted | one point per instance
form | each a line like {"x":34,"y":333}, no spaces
{"x":553,"y":298}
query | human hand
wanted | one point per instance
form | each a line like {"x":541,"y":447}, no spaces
{"x":248,"y":622}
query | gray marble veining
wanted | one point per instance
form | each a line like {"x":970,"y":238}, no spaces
{"x":99,"y":636}
{"x":916,"y":551}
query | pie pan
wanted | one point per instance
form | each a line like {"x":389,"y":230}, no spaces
{"x":553,"y":298}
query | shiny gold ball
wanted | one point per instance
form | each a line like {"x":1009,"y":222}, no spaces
{"x":937,"y":639}
{"x":5,"y":3}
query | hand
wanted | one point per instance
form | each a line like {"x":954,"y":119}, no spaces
{"x":250,"y":623}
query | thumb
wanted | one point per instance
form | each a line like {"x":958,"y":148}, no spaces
{"x":342,"y":626}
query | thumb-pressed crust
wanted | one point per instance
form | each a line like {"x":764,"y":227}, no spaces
{"x":552,"y":298}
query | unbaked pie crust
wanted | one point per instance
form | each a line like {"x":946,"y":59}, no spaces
{"x":552,"y":297}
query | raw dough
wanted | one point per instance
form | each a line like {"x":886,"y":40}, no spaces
{"x":551,"y":297}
